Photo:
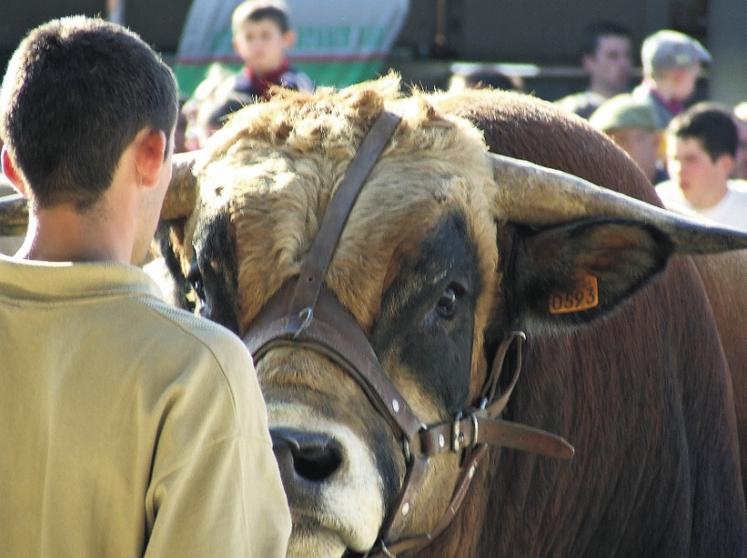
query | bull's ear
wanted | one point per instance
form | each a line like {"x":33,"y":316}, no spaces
{"x":575,"y":272}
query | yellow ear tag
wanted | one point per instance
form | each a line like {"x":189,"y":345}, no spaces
{"x":585,"y":295}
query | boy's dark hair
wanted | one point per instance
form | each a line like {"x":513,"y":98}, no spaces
{"x":596,"y":31}
{"x":258,"y":10}
{"x":76,"y":93}
{"x":711,"y":125}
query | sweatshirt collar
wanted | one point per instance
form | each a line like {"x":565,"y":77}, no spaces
{"x":30,"y":279}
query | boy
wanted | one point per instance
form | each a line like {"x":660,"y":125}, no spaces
{"x":127,"y":427}
{"x":261,"y":37}
{"x":701,"y":145}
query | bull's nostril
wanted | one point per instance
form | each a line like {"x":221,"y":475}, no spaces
{"x":315,"y":457}
{"x":317,"y":463}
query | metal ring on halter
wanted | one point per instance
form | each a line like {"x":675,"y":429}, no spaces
{"x":306,"y":315}
{"x":476,"y":428}
{"x":406,"y":450}
{"x":386,"y":551}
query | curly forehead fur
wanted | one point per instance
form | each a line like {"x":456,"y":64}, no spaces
{"x":275,"y":166}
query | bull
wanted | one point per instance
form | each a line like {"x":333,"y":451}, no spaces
{"x":433,"y":266}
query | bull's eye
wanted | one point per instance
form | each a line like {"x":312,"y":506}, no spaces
{"x":447,"y":303}
{"x":195,"y":279}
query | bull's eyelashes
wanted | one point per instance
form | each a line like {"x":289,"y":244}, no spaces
{"x":446,"y":306}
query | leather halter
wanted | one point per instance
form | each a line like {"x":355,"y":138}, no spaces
{"x":304,"y":313}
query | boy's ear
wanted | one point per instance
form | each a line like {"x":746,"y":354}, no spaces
{"x":11,"y":173}
{"x":726,"y":162}
{"x":289,"y":38}
{"x":150,"y":148}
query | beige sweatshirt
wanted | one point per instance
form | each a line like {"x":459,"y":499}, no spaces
{"x":127,"y":427}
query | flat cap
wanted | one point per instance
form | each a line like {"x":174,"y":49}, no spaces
{"x":671,"y":49}
{"x":623,"y":111}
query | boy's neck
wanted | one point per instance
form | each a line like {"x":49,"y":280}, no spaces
{"x":62,"y":234}
{"x":269,"y":74}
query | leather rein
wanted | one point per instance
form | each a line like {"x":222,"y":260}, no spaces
{"x":304,"y":313}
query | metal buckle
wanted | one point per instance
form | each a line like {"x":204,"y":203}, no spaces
{"x":456,"y":433}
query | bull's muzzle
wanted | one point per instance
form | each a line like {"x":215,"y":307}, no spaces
{"x":306,"y":460}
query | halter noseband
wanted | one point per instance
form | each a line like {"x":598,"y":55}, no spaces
{"x":304,"y":313}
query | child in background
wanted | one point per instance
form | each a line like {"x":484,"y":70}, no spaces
{"x":261,"y":37}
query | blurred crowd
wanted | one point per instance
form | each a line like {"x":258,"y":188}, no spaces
{"x":696,"y":157}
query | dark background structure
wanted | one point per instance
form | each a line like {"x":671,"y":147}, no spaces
{"x":540,"y":33}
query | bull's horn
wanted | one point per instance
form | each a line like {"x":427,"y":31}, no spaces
{"x":179,"y":202}
{"x":182,"y":193}
{"x":14,"y":215}
{"x":536,"y":195}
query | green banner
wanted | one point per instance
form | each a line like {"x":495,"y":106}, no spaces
{"x":338,"y":42}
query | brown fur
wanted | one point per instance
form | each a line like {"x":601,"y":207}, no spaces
{"x":662,"y":348}
{"x":723,"y":276}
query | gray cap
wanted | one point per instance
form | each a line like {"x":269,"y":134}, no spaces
{"x":623,"y":111}
{"x":671,"y":49}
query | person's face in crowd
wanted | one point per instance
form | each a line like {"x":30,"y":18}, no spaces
{"x":262,"y":45}
{"x":610,"y":66}
{"x":683,"y":81}
{"x":693,"y":170}
{"x":740,"y":161}
{"x":642,"y":146}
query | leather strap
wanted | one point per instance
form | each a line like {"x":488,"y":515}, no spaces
{"x":419,"y":542}
{"x":335,"y":333}
{"x":316,"y":262}
{"x":474,"y":433}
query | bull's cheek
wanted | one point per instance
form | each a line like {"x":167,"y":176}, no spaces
{"x":432,"y":500}
{"x":313,"y":541}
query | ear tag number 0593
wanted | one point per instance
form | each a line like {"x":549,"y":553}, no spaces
{"x":584,"y":295}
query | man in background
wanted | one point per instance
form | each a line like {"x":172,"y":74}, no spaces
{"x":607,"y":58}
{"x":701,"y":147}
{"x":671,"y":65}
{"x":632,"y":126}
